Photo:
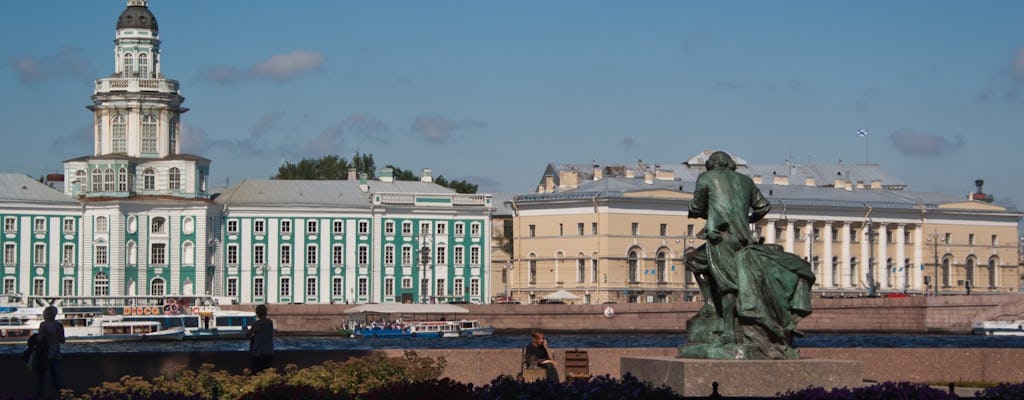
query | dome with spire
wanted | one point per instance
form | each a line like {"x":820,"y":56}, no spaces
{"x":137,"y":16}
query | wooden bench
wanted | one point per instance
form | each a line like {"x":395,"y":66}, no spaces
{"x":577,"y":365}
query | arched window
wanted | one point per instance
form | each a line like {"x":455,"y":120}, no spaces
{"x":80,"y":177}
{"x":144,"y":65}
{"x":159,"y":225}
{"x":149,"y":179}
{"x":156,"y":287}
{"x":633,"y":263}
{"x":122,"y":180}
{"x":119,"y":134}
{"x":129,"y":65}
{"x":108,"y":180}
{"x":174,"y":179}
{"x":852,"y":273}
{"x":969,"y":270}
{"x":835,"y":272}
{"x":97,"y":180}
{"x":661,"y":266}
{"x":101,"y":284}
{"x":533,"y":269}
{"x":993,"y":263}
{"x":946,"y":273}
{"x":133,"y":255}
{"x":101,"y":225}
{"x":149,"y":134}
{"x":172,"y":134}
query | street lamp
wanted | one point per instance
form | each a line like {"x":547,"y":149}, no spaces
{"x":424,"y":261}
{"x":935,"y":247}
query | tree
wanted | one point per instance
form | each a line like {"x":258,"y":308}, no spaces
{"x":460,"y":186}
{"x":336,"y":168}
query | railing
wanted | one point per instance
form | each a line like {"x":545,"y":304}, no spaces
{"x":136,"y":85}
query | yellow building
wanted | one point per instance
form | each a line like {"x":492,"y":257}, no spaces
{"x":618,"y":233}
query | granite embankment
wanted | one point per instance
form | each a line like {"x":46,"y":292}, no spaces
{"x":83,"y":370}
{"x":919,"y":314}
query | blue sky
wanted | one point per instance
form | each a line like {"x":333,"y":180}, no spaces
{"x":492,"y":91}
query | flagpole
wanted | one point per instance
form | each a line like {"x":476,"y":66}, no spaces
{"x":864,"y":134}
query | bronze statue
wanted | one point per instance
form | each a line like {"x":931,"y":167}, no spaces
{"x":754,"y":293}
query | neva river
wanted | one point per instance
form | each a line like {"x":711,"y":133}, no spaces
{"x":286,"y":343}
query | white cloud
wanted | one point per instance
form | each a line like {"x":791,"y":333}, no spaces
{"x":438,"y":129}
{"x":66,"y":62}
{"x":282,"y":67}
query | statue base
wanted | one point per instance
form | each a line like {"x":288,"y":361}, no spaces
{"x":743,"y":378}
{"x":708,"y":337}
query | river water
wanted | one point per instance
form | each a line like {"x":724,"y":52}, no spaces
{"x":286,"y":343}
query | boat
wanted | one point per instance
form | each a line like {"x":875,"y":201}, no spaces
{"x":411,"y":320}
{"x":433,"y":329}
{"x":998,"y":328}
{"x":473,"y":328}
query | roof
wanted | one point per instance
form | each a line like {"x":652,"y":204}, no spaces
{"x":345,"y":193}
{"x":407,"y":309}
{"x":19,"y":187}
{"x":123,"y":156}
{"x":137,"y":16}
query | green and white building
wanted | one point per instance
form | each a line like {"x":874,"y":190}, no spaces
{"x":136,"y":217}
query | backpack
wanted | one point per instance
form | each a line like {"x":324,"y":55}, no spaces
{"x":37,"y":353}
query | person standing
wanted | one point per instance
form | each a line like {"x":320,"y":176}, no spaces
{"x":261,"y":340}
{"x":537,"y":354}
{"x":51,"y":335}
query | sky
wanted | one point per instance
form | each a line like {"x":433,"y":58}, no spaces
{"x":493,"y":91}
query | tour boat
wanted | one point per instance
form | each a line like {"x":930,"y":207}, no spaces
{"x":411,"y":320}
{"x":473,"y":328}
{"x":998,"y":328}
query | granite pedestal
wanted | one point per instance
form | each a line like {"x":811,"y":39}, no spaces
{"x":738,"y":378}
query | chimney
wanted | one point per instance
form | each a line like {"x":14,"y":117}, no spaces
{"x":809,"y":181}
{"x":664,"y":174}
{"x":387,"y":175}
{"x":848,"y":186}
{"x":649,"y":177}
{"x":876,"y":184}
{"x":568,"y":179}
{"x":839,"y":183}
{"x":351,"y":174}
{"x":758,"y":179}
{"x":549,"y":184}
{"x":363,"y":186}
{"x":425,"y":176}
{"x":780,"y":180}
{"x":860,"y":184}
{"x":629,"y":173}
{"x":598,"y":172}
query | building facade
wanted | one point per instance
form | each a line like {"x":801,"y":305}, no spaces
{"x":618,"y":233}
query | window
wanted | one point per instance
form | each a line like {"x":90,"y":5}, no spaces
{"x":947,"y":238}
{"x":68,"y":255}
{"x":149,"y":179}
{"x":561,"y":230}
{"x":661,"y":265}
{"x":259,"y":227}
{"x":407,"y":228}
{"x":311,"y":287}
{"x":474,"y":255}
{"x":122,"y":180}
{"x":581,"y":269}
{"x":100,"y":254}
{"x":311,"y":227}
{"x":364,"y":227}
{"x":159,"y":225}
{"x":232,"y":226}
{"x":286,"y":286}
{"x":663,"y":229}
{"x":389,"y":254}
{"x":311,"y":254}
{"x":286,"y":227}
{"x":460,"y":229}
{"x":593,"y":228}
{"x":143,"y":65}
{"x":457,"y":256}
{"x":970,"y":239}
{"x":533,"y":272}
{"x":995,"y":240}
{"x":579,"y":229}
{"x":232,"y":252}
{"x":9,"y":285}
{"x":188,"y":254}
{"x":440,"y":290}
{"x":634,"y":228}
{"x":119,"y":134}
{"x":156,"y":287}
{"x":129,"y":67}
{"x":133,"y":255}
{"x":39,"y":254}
{"x":158,"y":255}
{"x":69,"y":225}
{"x":39,"y":286}
{"x":232,"y":290}
{"x":10,"y":224}
{"x":441,"y":255}
{"x":835,"y":234}
{"x":442,"y":228}
{"x":593,"y":270}
{"x":108,"y":180}
{"x":338,"y":254}
{"x":424,"y":228}
{"x":424,"y":288}
{"x":406,"y":282}
{"x":389,"y":286}
{"x":474,"y":287}
{"x":97,"y":180}
{"x":286,"y":254}
{"x":389,"y":228}
{"x":363,"y":289}
{"x":474,"y":229}
{"x":174,"y":179}
{"x":149,"y":134}
{"x":363,"y":255}
{"x":533,"y":230}
{"x":39,"y":224}
{"x":101,"y":224}
{"x":457,"y":287}
{"x":259,"y":254}
{"x":337,"y":287}
{"x":101,"y":284}
{"x":258,"y":286}
{"x":338,"y":227}
{"x":406,"y":255}
{"x":633,"y":262}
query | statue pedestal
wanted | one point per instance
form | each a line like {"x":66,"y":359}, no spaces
{"x":739,"y":378}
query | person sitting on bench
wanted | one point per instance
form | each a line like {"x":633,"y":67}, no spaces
{"x":537,"y":354}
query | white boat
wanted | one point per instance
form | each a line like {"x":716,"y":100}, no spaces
{"x":412,"y":320}
{"x":998,"y":328}
{"x":472,"y":327}
{"x":431,"y":329}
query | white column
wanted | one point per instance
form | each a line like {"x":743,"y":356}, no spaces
{"x":845,"y":275}
{"x":865,"y":256}
{"x":883,"y":254}
{"x":770,"y":234}
{"x":902,"y":272}
{"x":790,"y":236}
{"x":916,"y":282}
{"x":826,"y":256}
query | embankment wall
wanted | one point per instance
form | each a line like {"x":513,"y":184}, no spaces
{"x":479,"y":366}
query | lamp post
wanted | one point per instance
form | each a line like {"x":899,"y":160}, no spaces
{"x":935,"y":247}
{"x":871,"y":259}
{"x":424,"y":261}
